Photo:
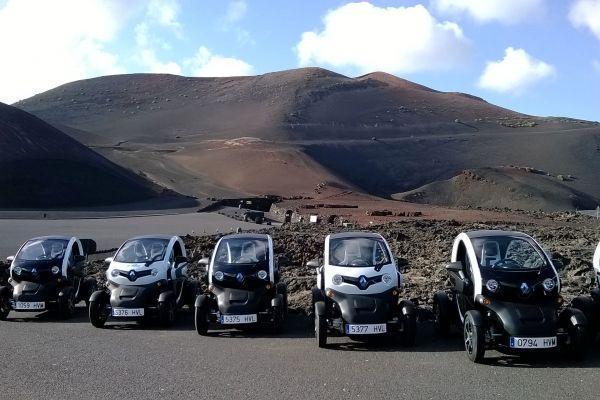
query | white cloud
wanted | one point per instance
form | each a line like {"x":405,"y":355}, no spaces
{"x":158,"y":13}
{"x":515,"y":72}
{"x":47,"y":43}
{"x":236,"y":11}
{"x":392,"y":39}
{"x":586,"y":14}
{"x":505,"y":11}
{"x":205,"y":63}
{"x":165,"y":13}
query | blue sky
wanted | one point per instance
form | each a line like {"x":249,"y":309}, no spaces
{"x":545,"y":54}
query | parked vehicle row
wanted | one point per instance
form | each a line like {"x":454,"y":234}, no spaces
{"x":504,"y":294}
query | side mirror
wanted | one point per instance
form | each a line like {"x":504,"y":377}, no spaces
{"x":455,"y":266}
{"x":79,"y":259}
{"x":204,"y":261}
{"x":181,"y":260}
{"x":10,"y":258}
{"x":313,"y":264}
{"x":558,"y":265}
{"x":108,"y":260}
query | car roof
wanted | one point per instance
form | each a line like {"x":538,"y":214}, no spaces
{"x":247,"y":236}
{"x":166,"y":237}
{"x":494,"y":232}
{"x":355,"y":234}
{"x":52,"y":237}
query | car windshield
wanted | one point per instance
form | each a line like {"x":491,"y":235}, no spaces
{"x":242,"y":251}
{"x":506,"y":252}
{"x":43,"y":249}
{"x":358,"y":252}
{"x":142,"y":250}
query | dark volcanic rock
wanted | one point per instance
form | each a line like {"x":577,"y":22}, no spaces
{"x":422,"y":247}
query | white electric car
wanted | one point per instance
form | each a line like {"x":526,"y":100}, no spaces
{"x":590,"y":305}
{"x":505,"y":295}
{"x":47,"y":273}
{"x":146,"y":278}
{"x":244,"y":286}
{"x":358,"y":288}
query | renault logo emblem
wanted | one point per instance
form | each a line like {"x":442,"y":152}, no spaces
{"x":525,"y":288}
{"x":34,"y":271}
{"x":362,"y":281}
{"x":239,"y":277}
{"x":132,"y":275}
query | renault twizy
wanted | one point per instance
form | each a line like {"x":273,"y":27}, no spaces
{"x":357,"y":291}
{"x":506,"y":294}
{"x":244,"y":286}
{"x":47,"y":273}
{"x":146,"y":278}
{"x":590,"y":305}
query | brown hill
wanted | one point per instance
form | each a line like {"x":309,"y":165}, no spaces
{"x":502,"y":187}
{"x":287,"y":132}
{"x":41,"y":167}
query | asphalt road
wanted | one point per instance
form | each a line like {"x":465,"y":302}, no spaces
{"x":48,"y":359}
{"x":111,"y":232}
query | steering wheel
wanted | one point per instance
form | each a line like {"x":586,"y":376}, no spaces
{"x":358,"y":262}
{"x":506,"y":262}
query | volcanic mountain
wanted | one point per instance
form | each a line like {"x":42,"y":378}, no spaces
{"x":41,"y":167}
{"x":290,"y":132}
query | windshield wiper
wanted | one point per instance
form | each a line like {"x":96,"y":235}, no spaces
{"x":152,"y":261}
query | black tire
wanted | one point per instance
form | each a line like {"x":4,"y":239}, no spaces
{"x":442,"y":314}
{"x":474,"y":337}
{"x":190,"y":296}
{"x":92,"y":286}
{"x":587,"y":305}
{"x":4,"y":307}
{"x":98,"y":313}
{"x":320,"y":329}
{"x":66,"y":306}
{"x":282,"y":290}
{"x":577,"y":345}
{"x":166,"y":313}
{"x":201,"y":320}
{"x":409,"y":331}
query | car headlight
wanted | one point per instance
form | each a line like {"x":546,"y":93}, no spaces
{"x":492,"y":285}
{"x":114,"y":273}
{"x":154,"y":272}
{"x":55,"y":270}
{"x":549,"y":284}
{"x":17,"y":270}
{"x":262,"y":274}
{"x":219,"y":275}
{"x":337,"y":279}
{"x":387,"y":279}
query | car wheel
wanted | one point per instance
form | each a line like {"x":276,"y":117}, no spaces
{"x":282,"y":290}
{"x":98,"y":313}
{"x":166,"y":313}
{"x":66,"y":306}
{"x":201,"y":320}
{"x":589,"y":308}
{"x":320,"y":329}
{"x":409,"y":332}
{"x":92,"y":286}
{"x":578,"y":335}
{"x":4,"y":307}
{"x":441,"y":313}
{"x":474,"y":336}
